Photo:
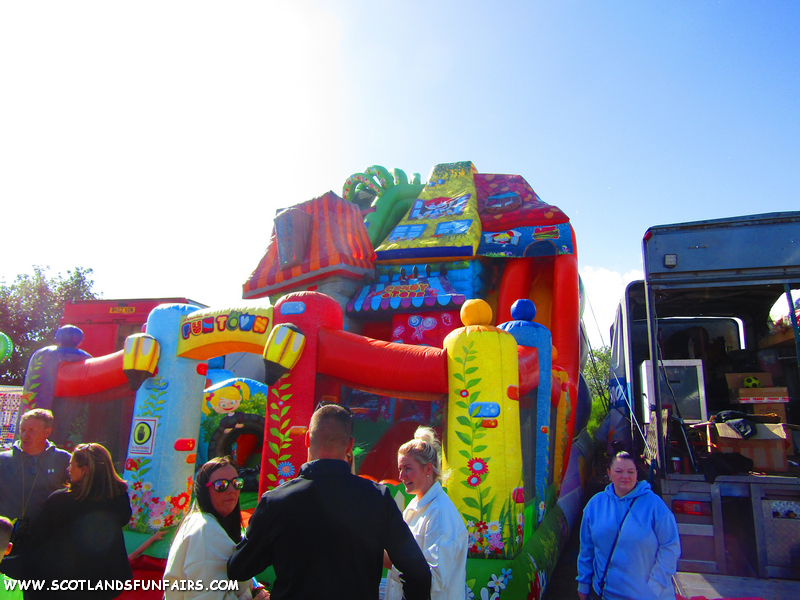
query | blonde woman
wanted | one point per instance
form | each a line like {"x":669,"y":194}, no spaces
{"x":433,"y":519}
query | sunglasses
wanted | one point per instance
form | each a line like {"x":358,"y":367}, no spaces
{"x":220,"y":485}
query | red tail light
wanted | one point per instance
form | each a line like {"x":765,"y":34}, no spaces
{"x":690,"y":507}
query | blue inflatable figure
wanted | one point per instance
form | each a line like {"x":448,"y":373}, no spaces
{"x":534,"y":335}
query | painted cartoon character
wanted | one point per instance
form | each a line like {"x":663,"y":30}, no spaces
{"x":436,"y":208}
{"x":503,"y":238}
{"x":226,"y":401}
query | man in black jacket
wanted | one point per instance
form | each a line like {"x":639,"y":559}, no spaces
{"x":325,"y":532}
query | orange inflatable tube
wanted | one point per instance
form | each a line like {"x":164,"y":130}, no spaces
{"x":91,"y":376}
{"x":379,"y":364}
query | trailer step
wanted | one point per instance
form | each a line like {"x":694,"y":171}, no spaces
{"x":725,"y":586}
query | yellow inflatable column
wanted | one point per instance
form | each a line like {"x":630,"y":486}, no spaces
{"x":482,"y":441}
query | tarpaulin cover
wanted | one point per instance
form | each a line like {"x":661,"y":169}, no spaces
{"x":338,"y":244}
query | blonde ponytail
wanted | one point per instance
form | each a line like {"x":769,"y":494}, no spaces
{"x":425,"y":449}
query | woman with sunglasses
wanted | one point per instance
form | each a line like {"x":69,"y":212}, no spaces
{"x":207,"y":537}
{"x":79,"y":533}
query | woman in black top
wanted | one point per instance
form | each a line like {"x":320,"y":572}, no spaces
{"x":79,"y":533}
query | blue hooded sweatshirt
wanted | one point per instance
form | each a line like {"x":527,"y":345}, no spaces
{"x":646,"y":555}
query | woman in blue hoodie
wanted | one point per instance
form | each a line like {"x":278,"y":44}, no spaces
{"x":629,"y":540}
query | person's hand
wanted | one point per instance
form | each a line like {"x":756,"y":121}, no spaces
{"x":157,"y":535}
{"x":262,"y":594}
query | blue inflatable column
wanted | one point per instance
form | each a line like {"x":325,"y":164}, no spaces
{"x":534,"y":335}
{"x":161,"y":456}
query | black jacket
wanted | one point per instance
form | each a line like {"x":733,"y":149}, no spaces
{"x":80,"y":540}
{"x":325,"y":533}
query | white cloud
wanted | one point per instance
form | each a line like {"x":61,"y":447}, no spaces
{"x":603,"y":290}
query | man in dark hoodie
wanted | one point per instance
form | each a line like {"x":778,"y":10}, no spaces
{"x":32,"y":470}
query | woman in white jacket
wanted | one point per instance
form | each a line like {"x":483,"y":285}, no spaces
{"x":433,"y":519}
{"x":198,"y":557}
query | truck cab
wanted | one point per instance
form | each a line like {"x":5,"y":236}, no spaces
{"x":694,"y":341}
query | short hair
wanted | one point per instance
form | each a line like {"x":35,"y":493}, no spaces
{"x":6,"y":529}
{"x":100,"y":481}
{"x":425,"y":449}
{"x":331,"y":427}
{"x":42,"y":414}
{"x":623,"y":455}
{"x":232,"y":524}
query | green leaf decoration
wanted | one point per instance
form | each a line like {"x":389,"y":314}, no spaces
{"x":143,"y":471}
{"x":286,"y":396}
{"x":471,"y":370}
{"x":465,"y":470}
{"x":274,"y":417}
{"x":465,"y":454}
{"x":470,"y":518}
{"x":284,"y":457}
{"x":479,"y":435}
{"x":464,"y":421}
{"x":273,"y":462}
{"x":474,"y":396}
{"x":464,"y":438}
{"x":284,"y":386}
{"x":284,"y":410}
{"x":274,"y":447}
{"x":275,"y":432}
{"x":271,"y":477}
{"x":459,"y":377}
{"x":489,"y":505}
{"x":274,"y":406}
{"x":461,"y":404}
{"x":471,"y":502}
{"x":471,"y":357}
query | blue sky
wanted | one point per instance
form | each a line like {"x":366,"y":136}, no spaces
{"x":154,"y":141}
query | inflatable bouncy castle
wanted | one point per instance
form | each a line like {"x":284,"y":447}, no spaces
{"x":453,"y":303}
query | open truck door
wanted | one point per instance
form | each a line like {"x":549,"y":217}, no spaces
{"x":688,"y":342}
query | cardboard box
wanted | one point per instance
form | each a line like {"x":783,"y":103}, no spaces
{"x":767,"y":409}
{"x":736,"y":381}
{"x":767,"y":448}
{"x":766,"y":395}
